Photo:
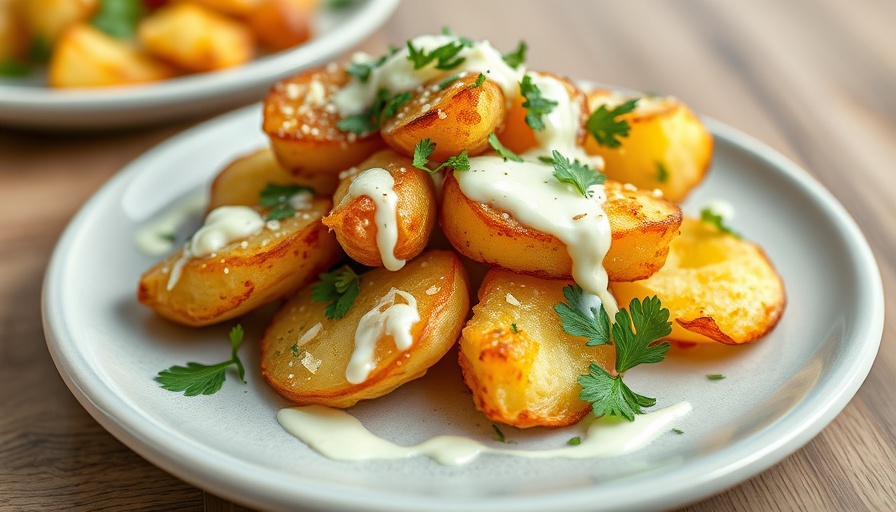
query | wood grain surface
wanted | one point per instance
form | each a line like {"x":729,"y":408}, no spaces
{"x":814,"y":79}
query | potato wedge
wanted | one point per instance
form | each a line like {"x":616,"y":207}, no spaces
{"x":282,"y":24}
{"x":305,"y":356}
{"x":301,"y":124}
{"x":47,"y":20}
{"x":642,"y":226}
{"x":243,"y":179}
{"x":242,"y":276}
{"x":717,"y":287}
{"x":457,"y":118}
{"x":667,"y":148}
{"x":520,"y":364}
{"x":196,"y":38}
{"x":86,"y":57}
{"x":407,"y":223}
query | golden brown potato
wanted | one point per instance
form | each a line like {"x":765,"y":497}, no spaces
{"x":313,"y":371}
{"x":520,"y":364}
{"x":642,"y":226}
{"x":241,"y":182}
{"x":242,"y":276}
{"x":457,"y":118}
{"x":667,"y":148}
{"x":196,"y":38}
{"x":282,"y":24}
{"x":48,"y":19}
{"x":301,"y":123}
{"x":716,"y":286}
{"x":411,"y":218}
{"x":86,"y":57}
{"x":240,"y":8}
{"x":13,"y":33}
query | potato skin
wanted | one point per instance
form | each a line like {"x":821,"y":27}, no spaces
{"x":525,"y":377}
{"x":437,"y":281}
{"x":282,"y":24}
{"x":718,"y":288}
{"x":641,"y":225}
{"x":353,"y":221}
{"x":236,"y":280}
{"x":457,"y":118}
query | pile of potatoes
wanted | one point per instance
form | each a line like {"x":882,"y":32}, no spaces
{"x":520,"y":364}
{"x":150,"y":40}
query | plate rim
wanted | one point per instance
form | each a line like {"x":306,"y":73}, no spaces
{"x":720,"y":470}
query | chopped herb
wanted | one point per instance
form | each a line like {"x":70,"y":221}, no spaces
{"x":295,"y":349}
{"x":678,"y":431}
{"x":576,"y":173}
{"x":709,"y":216}
{"x":424,"y":149}
{"x":575,"y":441}
{"x":168,"y":237}
{"x":514,"y":328}
{"x":459,"y":162}
{"x":662,"y":174}
{"x":478,"y":82}
{"x":536,"y":105}
{"x":517,"y":57}
{"x":338,"y":5}
{"x":340,"y":288}
{"x":384,"y":107}
{"x":118,"y":18}
{"x":199,"y":379}
{"x":503,"y":151}
{"x":605,"y":128}
{"x":445,"y":57}
{"x":546,"y":159}
{"x":279,"y":199}
{"x":579,"y":318}
{"x":501,"y":435}
{"x":362,"y":70}
{"x":14,"y":69}
{"x":448,"y":81}
{"x":715,"y":376}
{"x":39,"y":50}
{"x":361,"y":124}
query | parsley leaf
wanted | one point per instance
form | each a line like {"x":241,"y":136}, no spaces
{"x":715,"y":376}
{"x":503,"y":151}
{"x":662,"y":174}
{"x":517,"y":57}
{"x":362,"y":70}
{"x":536,"y":106}
{"x":478,"y":82}
{"x":384,"y":107}
{"x":609,"y":396}
{"x":575,"y":441}
{"x":13,"y":68}
{"x":709,"y":216}
{"x":118,"y":18}
{"x":39,"y":50}
{"x":445,"y":56}
{"x":651,"y":322}
{"x":576,"y":173}
{"x":514,"y":328}
{"x":501,"y":435}
{"x":278,"y":199}
{"x":605,"y":128}
{"x":340,"y":288}
{"x":580,"y":319}
{"x":448,"y":81}
{"x":678,"y":431}
{"x":424,"y":149}
{"x":199,"y":379}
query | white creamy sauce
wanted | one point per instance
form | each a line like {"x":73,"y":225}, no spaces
{"x":378,"y":185}
{"x":397,"y":73}
{"x":395,"y":321}
{"x":157,"y":238}
{"x":340,"y":436}
{"x":223,"y":226}
{"x":723,"y":209}
{"x":178,"y":267}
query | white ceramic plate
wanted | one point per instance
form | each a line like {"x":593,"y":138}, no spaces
{"x":29,"y":104}
{"x":777,"y":394}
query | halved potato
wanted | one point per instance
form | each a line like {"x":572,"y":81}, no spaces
{"x":641,"y":224}
{"x":305,"y":356}
{"x":47,"y":20}
{"x":354,"y":216}
{"x":282,"y":24}
{"x":667,"y":148}
{"x":241,"y":182}
{"x":196,"y":38}
{"x":300,"y":120}
{"x":86,"y":57}
{"x":457,"y":118}
{"x":717,"y":287}
{"x":520,"y":364}
{"x":244,"y":275}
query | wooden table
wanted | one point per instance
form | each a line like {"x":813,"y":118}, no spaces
{"x":815,"y":79}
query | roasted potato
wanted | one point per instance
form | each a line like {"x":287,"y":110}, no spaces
{"x":86,"y":57}
{"x":243,"y":275}
{"x":47,"y":20}
{"x":241,"y":182}
{"x":355,"y":216}
{"x":239,"y":8}
{"x":456,"y":118}
{"x":520,"y":364}
{"x":667,"y":147}
{"x":300,"y":120}
{"x":305,"y":356}
{"x":282,"y":24}
{"x":717,"y":287}
{"x":13,"y":33}
{"x":642,"y":226}
{"x":196,"y":38}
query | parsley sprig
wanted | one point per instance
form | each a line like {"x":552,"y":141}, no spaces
{"x":635,"y":335}
{"x":384,"y":106}
{"x":604,"y":126}
{"x":517,"y":57}
{"x":423,"y":150}
{"x":535,"y":105}
{"x":445,"y":56}
{"x":709,"y":216}
{"x":362,"y":70}
{"x":503,"y":151}
{"x":118,"y":18}
{"x":340,"y":288}
{"x":576,"y":173}
{"x":279,"y":199}
{"x":662,"y":173}
{"x":200,"y":379}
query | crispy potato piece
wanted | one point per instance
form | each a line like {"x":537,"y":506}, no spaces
{"x":241,"y":182}
{"x":282,"y":24}
{"x":518,"y":136}
{"x":48,"y":19}
{"x":716,"y":286}
{"x":642,"y":227}
{"x":13,"y":33}
{"x":86,"y":57}
{"x":301,"y":124}
{"x":314,"y":371}
{"x":457,"y":118}
{"x":667,"y":148}
{"x":237,"y":279}
{"x":196,"y":38}
{"x":239,"y":8}
{"x":353,"y":219}
{"x":522,"y":367}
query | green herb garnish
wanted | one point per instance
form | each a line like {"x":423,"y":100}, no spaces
{"x":501,"y":435}
{"x":362,"y":70}
{"x":279,"y":199}
{"x":478,"y":82}
{"x":514,"y":328}
{"x":715,"y":376}
{"x":503,"y":151}
{"x":199,"y":379}
{"x":118,"y":18}
{"x":662,"y":174}
{"x":424,"y":148}
{"x":384,"y":107}
{"x":576,"y":173}
{"x":517,"y":57}
{"x":575,"y":441}
{"x":536,"y":105}
{"x":709,"y":216}
{"x":678,"y":431}
{"x":604,"y":126}
{"x":448,"y":81}
{"x":445,"y":56}
{"x":14,"y":69}
{"x":340,"y":288}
